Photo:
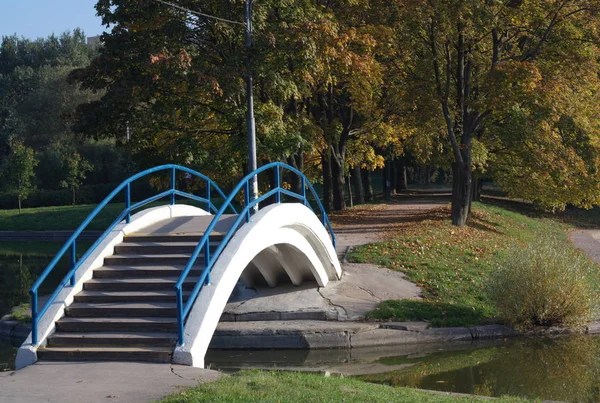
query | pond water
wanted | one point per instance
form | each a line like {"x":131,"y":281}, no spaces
{"x":560,"y":369}
{"x":564,"y":369}
{"x":20,"y":265}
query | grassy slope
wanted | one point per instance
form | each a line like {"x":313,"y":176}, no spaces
{"x":57,"y":218}
{"x":69,"y":217}
{"x":452,"y":264}
{"x":256,"y":386}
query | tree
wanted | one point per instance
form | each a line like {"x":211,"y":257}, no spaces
{"x":75,"y":169}
{"x":17,"y":172}
{"x":37,"y":104}
{"x":497,"y":76}
{"x":177,"y":81}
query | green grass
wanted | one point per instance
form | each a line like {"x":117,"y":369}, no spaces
{"x":257,"y":386}
{"x":452,"y":265}
{"x":21,"y":313}
{"x":69,"y":217}
{"x":57,"y":218}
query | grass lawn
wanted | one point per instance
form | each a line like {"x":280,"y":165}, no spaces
{"x":257,"y":386}
{"x":452,"y":264}
{"x":70,"y":217}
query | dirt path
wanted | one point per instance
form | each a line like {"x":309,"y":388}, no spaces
{"x":370,"y":223}
{"x":588,"y":241}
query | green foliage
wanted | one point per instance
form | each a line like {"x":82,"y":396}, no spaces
{"x":21,"y":313}
{"x":452,"y":265}
{"x":76,"y":167}
{"x":36,"y":102}
{"x":547,"y":283}
{"x":17,"y":172}
{"x":256,"y":386}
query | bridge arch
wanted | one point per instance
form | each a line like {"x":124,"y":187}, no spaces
{"x":280,"y":239}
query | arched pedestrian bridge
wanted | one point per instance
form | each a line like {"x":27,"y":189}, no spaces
{"x":154,"y":285}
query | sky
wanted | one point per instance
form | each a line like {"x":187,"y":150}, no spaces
{"x":40,"y":18}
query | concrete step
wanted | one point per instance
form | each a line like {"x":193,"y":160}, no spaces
{"x":122,"y":324}
{"x":127,"y":296}
{"x":195,"y":237}
{"x":111,"y":339}
{"x":146,"y":354}
{"x":122,"y":309}
{"x":144,"y":271}
{"x":154,"y":259}
{"x":159,"y":248}
{"x":137,"y":284}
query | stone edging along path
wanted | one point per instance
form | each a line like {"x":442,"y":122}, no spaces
{"x":304,"y":334}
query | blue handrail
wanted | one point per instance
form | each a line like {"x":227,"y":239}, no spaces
{"x":204,"y":243}
{"x":124,"y":215}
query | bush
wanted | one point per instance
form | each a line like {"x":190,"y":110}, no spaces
{"x":545,"y":284}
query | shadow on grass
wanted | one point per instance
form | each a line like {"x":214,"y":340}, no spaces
{"x":575,"y":216}
{"x":437,"y":313}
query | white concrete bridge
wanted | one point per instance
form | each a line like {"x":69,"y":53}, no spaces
{"x":119,"y":302}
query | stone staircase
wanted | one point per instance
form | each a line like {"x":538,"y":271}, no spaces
{"x":127,"y":311}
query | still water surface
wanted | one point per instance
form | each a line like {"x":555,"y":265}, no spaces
{"x":564,"y":369}
{"x":20,"y":265}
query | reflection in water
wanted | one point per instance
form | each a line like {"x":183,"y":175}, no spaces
{"x":8,"y":353}
{"x":565,"y":369}
{"x":20,"y":264}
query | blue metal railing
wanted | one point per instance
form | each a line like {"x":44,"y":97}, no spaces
{"x":204,"y":243}
{"x":71,"y":243}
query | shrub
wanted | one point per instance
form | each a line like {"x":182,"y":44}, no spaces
{"x":545,"y":284}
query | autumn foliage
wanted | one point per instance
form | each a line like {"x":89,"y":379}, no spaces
{"x":504,"y":88}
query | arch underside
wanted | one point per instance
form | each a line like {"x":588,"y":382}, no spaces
{"x":283,"y":243}
{"x":277,"y":264}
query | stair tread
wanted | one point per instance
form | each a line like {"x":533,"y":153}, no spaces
{"x":162,"y":243}
{"x":140,"y":280}
{"x":128,"y":305}
{"x":110,"y":349}
{"x":151,"y":256}
{"x":115,"y":335}
{"x":132,"y":320}
{"x":149,"y":294}
{"x":147,"y":267}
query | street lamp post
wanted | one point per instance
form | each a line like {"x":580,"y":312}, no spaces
{"x":250,"y":122}
{"x":250,"y":105}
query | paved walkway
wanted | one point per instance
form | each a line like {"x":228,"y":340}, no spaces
{"x":587,"y":241}
{"x":93,"y":382}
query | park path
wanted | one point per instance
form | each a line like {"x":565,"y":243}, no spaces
{"x":371,"y":223}
{"x":588,"y":241}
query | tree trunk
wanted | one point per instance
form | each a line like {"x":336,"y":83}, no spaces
{"x":327,"y":181}
{"x":73,"y":190}
{"x":297,"y":161}
{"x":272,"y":184}
{"x":367,"y":184}
{"x":387,"y":178}
{"x":461,"y":193}
{"x":349,"y":182}
{"x":339,"y":196}
{"x":477,"y":188}
{"x":401,"y":179}
{"x":358,"y":185}
{"x":19,"y":205}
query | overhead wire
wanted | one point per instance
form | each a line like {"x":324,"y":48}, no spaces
{"x":200,"y":14}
